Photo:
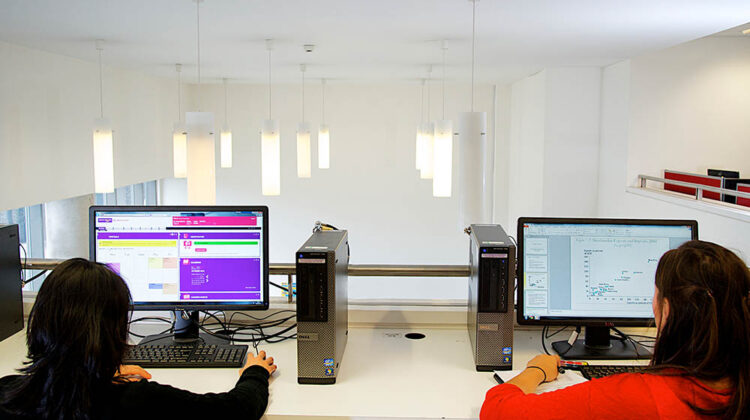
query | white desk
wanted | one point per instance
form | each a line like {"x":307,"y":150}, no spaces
{"x":383,"y":374}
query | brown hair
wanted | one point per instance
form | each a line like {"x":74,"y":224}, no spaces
{"x":707,"y":332}
{"x":77,"y":336}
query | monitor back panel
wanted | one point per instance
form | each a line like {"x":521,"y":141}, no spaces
{"x":491,"y":286}
{"x":11,"y":301}
{"x":322,"y":306}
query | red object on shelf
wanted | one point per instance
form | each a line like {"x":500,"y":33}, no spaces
{"x":711,"y":181}
{"x":740,"y":200}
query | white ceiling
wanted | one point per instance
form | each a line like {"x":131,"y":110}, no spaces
{"x":362,"y":40}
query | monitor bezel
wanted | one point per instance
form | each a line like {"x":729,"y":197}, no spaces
{"x":584,"y":321}
{"x":178,"y":306}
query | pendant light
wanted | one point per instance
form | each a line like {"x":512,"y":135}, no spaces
{"x":104,"y":171}
{"x":476,"y":157}
{"x":324,"y":136}
{"x":443,"y":149}
{"x":201,"y":163}
{"x":226,"y":135}
{"x":428,"y":142}
{"x":304,"y":160}
{"x":270,"y":147}
{"x":179,"y":135}
{"x":419,"y":144}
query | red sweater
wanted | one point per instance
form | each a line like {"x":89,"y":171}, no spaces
{"x":624,"y":396}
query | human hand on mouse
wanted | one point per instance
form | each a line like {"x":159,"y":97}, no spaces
{"x":132,"y":373}
{"x":548,"y":364}
{"x":260,"y":360}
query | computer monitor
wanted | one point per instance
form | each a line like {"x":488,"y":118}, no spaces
{"x":597,"y":273}
{"x":187,"y":258}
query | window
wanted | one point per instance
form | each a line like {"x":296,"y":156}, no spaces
{"x":144,"y":194}
{"x":30,"y":221}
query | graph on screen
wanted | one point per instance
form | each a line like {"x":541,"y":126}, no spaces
{"x":616,"y":269}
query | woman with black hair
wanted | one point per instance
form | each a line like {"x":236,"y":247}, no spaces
{"x":701,"y":363}
{"x":77,"y":337}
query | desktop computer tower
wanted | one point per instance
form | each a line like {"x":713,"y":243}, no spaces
{"x":491,"y":289}
{"x":322,"y":306}
{"x":11,"y":301}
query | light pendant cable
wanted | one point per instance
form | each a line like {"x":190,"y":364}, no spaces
{"x":426,"y":171}
{"x":226,"y":134}
{"x":443,"y":149}
{"x":473,"y":46}
{"x":476,"y":153}
{"x":104,"y":173}
{"x":324,"y":135}
{"x":304,"y":158}
{"x":198,"y":45}
{"x":201,"y":154}
{"x":179,"y":134}
{"x":270,"y":146}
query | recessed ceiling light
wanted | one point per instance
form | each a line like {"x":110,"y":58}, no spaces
{"x":746,"y":31}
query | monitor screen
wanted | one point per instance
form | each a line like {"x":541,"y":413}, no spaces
{"x":575,"y":271}
{"x":185,"y":257}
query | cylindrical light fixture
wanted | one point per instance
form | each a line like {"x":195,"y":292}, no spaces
{"x":179,"y":134}
{"x":104,"y":180}
{"x":226,"y":136}
{"x":179,"y":150}
{"x":426,"y":150}
{"x":201,"y":177}
{"x":443,"y":150}
{"x":270,"y":158}
{"x":270,"y":145}
{"x":419,"y":145}
{"x":226,"y":147}
{"x":304,"y":157}
{"x":324,"y":147}
{"x":324,"y":136}
{"x":443,"y":159}
{"x":428,"y":132}
{"x":104,"y":159}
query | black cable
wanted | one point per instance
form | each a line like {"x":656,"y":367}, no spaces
{"x":626,"y":337}
{"x":556,"y":332}
{"x":25,"y":259}
{"x":260,"y":319}
{"x":150,"y":318}
{"x":34,"y":277}
{"x":544,"y":345}
{"x":281,"y":287}
{"x":223,"y":326}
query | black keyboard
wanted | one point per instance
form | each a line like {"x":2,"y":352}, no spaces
{"x":600,"y":371}
{"x":186,"y":355}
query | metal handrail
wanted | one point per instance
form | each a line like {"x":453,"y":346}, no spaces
{"x":699,"y":188}
{"x":289,"y":269}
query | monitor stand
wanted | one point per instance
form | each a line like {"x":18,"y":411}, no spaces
{"x":598,"y":345}
{"x":186,"y":331}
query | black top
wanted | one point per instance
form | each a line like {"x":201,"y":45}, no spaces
{"x":151,"y":400}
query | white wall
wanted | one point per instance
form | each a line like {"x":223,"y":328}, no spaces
{"x":526,"y":149}
{"x":682,"y":108}
{"x":554,"y":144}
{"x":571,"y":141}
{"x":372,"y":188}
{"x":613,"y":146}
{"x":48,"y":103}
{"x":689,"y":108}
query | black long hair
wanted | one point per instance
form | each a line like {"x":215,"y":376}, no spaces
{"x":76,"y":338}
{"x":707,"y":331}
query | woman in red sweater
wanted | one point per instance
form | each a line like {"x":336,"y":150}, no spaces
{"x":701,"y":363}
